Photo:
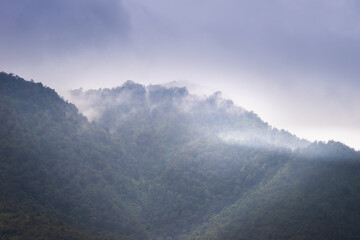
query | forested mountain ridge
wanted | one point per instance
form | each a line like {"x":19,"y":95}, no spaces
{"x":116,"y":109}
{"x":58,"y":169}
{"x":161,"y":163}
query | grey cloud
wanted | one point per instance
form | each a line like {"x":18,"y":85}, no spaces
{"x":299,"y":35}
{"x":66,"y":25}
{"x":300,"y":58}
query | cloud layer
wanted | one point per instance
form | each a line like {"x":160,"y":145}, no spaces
{"x":295,"y":63}
{"x":55,"y":26}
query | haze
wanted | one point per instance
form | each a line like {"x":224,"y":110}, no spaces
{"x":294,"y":63}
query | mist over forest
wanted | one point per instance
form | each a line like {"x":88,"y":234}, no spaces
{"x":158,"y":162}
{"x":241,"y":120}
{"x":210,"y":116}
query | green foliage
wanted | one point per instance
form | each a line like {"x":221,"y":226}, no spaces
{"x":16,"y":222}
{"x":306,"y":199}
{"x":54,"y":161}
{"x":154,"y":165}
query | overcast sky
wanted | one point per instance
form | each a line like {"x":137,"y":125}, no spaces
{"x":296,"y":63}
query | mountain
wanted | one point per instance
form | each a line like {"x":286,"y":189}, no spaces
{"x":161,"y":108}
{"x":61,"y":177}
{"x":156,"y":162}
{"x":310,"y":197}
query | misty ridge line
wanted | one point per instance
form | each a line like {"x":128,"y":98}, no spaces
{"x":209,"y":115}
{"x":94,"y":103}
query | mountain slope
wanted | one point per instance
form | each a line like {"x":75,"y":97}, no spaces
{"x":310,"y":197}
{"x":54,"y":163}
{"x":181,"y":156}
{"x":217,"y":165}
{"x":160,"y":163}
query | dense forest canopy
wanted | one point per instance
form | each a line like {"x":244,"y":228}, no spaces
{"x":151,"y":162}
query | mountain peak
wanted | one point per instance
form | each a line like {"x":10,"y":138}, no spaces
{"x":210,"y":115}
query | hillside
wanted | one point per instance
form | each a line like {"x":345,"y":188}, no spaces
{"x":312,"y":196}
{"x":150,"y":162}
{"x":60,"y":175}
